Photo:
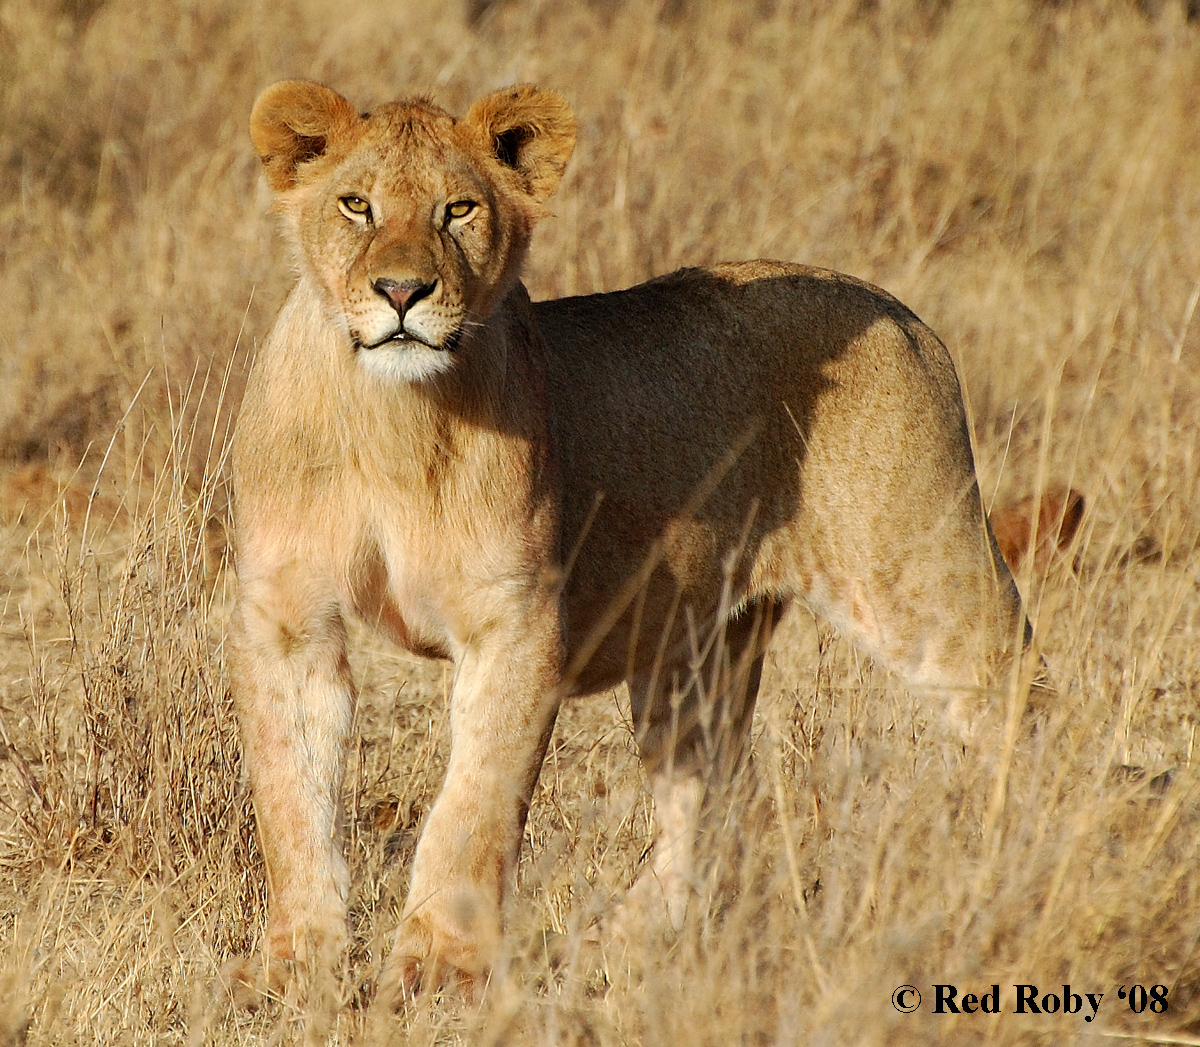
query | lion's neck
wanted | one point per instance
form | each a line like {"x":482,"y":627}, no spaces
{"x":496,"y":388}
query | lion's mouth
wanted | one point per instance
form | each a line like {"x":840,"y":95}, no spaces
{"x":407,"y":338}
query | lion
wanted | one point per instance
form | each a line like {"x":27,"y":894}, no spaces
{"x":561,"y":497}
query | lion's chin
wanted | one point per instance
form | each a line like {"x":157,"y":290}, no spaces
{"x":405,"y":361}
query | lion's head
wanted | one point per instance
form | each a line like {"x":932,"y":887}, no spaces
{"x":412,"y":224}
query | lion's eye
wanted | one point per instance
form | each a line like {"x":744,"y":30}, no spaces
{"x":460,"y":208}
{"x":355,"y":208}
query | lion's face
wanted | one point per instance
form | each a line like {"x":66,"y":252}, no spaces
{"x":414,"y":225}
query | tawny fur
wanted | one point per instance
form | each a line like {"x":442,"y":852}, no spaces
{"x":560,"y":497}
{"x":1055,"y":516}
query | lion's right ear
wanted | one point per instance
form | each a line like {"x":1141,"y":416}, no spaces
{"x":292,"y":122}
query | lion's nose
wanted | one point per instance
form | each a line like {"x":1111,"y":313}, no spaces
{"x":403,"y":294}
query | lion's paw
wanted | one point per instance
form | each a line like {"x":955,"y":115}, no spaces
{"x":251,"y":982}
{"x":432,"y":954}
{"x":655,"y":906}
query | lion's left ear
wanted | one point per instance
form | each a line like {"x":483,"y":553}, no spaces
{"x":530,"y":130}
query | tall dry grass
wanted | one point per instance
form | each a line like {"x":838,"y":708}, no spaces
{"x":1023,"y":174}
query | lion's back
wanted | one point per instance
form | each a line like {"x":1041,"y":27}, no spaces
{"x":652,"y":385}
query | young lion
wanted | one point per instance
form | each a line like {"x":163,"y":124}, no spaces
{"x":559,"y":497}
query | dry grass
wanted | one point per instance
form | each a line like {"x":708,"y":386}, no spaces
{"x":1023,"y":174}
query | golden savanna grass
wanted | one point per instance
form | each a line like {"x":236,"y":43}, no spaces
{"x":1024,"y":175}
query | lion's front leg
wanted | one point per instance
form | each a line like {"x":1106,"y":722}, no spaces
{"x":502,"y":711}
{"x":294,"y":697}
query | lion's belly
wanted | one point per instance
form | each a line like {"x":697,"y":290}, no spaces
{"x":642,"y":590}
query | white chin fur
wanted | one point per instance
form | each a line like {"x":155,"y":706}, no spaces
{"x":410,"y":363}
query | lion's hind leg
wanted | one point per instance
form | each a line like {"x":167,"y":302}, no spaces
{"x":936,"y":605}
{"x":693,"y":732}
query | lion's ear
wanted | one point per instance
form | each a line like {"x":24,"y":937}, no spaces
{"x":529,"y":130}
{"x":292,"y":122}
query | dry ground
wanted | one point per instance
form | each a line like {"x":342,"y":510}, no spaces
{"x":1023,"y":174}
